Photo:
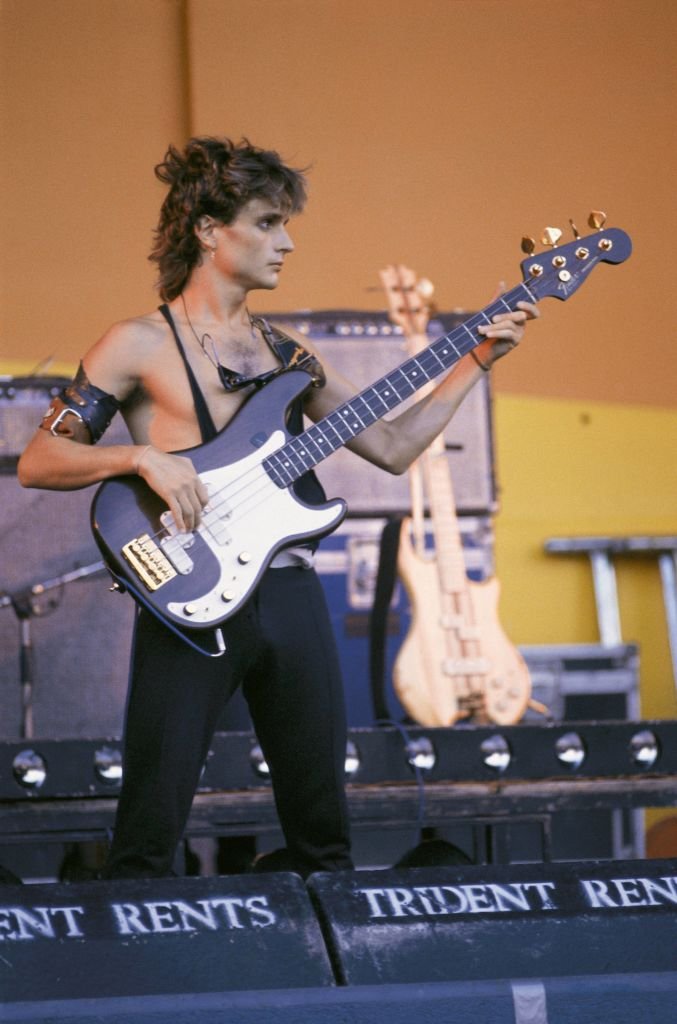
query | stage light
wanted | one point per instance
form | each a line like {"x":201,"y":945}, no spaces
{"x":30,"y":769}
{"x":421,"y":754}
{"x":496,"y":752}
{"x":570,"y":750}
{"x":108,"y":765}
{"x":353,"y":760}
{"x":259,"y":763}
{"x":644,"y":748}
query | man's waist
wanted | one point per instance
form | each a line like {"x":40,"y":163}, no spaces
{"x":299,"y":556}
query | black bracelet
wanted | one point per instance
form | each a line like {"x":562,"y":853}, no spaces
{"x":479,"y":361}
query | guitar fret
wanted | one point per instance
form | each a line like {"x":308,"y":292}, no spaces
{"x":340,"y":425}
{"x":315,"y":445}
{"x":375,"y":393}
{"x":331,"y":443}
{"x":350,"y":410}
{"x":466,"y":328}
{"x":305,"y":451}
{"x":299,"y":457}
{"x":278,"y":469}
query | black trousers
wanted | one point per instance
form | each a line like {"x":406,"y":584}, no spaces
{"x":281,"y":649}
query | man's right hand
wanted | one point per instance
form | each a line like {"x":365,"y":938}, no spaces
{"x":174,"y":479}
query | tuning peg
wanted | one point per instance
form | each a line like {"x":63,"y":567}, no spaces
{"x":574,"y":229}
{"x":528,"y":245}
{"x":425,"y":289}
{"x":597,"y":219}
{"x":551,"y":237}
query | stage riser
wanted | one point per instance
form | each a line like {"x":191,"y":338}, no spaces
{"x":520,"y":921}
{"x":463,"y":943}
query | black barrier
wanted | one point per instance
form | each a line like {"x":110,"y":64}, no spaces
{"x":627,"y":999}
{"x":99,"y":940}
{"x":522,"y":921}
{"x":579,"y":943}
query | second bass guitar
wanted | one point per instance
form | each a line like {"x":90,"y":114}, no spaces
{"x":456,"y":661}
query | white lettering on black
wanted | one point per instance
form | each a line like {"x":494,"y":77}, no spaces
{"x":630,"y":892}
{"x":154,"y":918}
{"x":434,"y":900}
{"x":40,"y":922}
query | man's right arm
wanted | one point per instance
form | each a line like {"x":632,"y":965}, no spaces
{"x":61,"y":454}
{"x":63,"y":464}
{"x":68,"y":461}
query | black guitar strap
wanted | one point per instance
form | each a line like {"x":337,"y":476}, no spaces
{"x":378,"y":622}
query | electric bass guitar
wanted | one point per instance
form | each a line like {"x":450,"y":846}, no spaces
{"x":194,"y":581}
{"x":455,"y":661}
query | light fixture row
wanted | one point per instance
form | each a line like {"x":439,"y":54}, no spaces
{"x":30,"y":768}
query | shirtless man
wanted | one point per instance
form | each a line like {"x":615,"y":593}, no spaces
{"x":178,"y":375}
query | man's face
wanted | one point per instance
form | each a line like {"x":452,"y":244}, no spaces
{"x":251,"y":250}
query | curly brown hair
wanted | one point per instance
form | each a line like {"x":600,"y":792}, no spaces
{"x":213,"y":177}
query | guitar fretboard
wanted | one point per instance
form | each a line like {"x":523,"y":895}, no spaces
{"x":307,"y":449}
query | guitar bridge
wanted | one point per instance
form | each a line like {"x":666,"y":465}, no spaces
{"x":149,"y":562}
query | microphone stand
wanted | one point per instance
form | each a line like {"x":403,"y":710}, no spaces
{"x":26,"y":606}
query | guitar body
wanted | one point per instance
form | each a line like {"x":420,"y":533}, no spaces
{"x":199,"y":579}
{"x":445,"y":671}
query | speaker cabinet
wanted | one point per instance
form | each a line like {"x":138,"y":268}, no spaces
{"x":365,"y":347}
{"x":60,"y":626}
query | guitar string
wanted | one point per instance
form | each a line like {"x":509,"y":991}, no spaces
{"x":256,"y":487}
{"x":229,"y":494}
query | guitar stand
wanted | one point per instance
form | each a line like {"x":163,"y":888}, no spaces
{"x":27,"y":607}
{"x":600,"y":551}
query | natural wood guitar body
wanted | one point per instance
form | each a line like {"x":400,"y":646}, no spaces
{"x":452,"y":633}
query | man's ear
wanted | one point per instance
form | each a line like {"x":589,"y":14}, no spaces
{"x":204,"y":229}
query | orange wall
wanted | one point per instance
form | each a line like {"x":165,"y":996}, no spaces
{"x":439,"y":133}
{"x":92,"y":92}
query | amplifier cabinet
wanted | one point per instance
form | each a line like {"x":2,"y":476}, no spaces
{"x":68,"y":633}
{"x":23,"y":403}
{"x":584,"y":681}
{"x":364,"y":347}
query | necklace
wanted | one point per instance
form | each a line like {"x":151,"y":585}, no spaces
{"x":202,"y":341}
{"x":230,"y":380}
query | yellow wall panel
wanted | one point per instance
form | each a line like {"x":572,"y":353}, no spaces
{"x":585,"y":469}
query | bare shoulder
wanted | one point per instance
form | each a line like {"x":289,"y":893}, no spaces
{"x":337,"y":388}
{"x":119,"y":359}
{"x":144,"y":334}
{"x":299,"y":337}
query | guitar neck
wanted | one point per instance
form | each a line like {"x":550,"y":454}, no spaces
{"x":448,"y":545}
{"x":439,"y":489}
{"x":307,"y":449}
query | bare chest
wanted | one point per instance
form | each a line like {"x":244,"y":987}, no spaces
{"x":169,"y":409}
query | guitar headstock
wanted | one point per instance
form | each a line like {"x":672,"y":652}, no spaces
{"x":408,"y":298}
{"x":562,"y":270}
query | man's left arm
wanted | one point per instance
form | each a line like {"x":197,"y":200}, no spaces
{"x":394,"y":443}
